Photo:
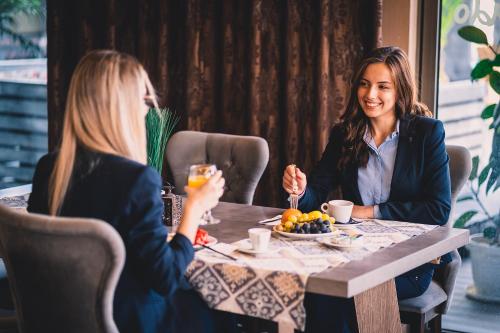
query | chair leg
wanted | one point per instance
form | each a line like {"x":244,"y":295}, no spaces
{"x":435,"y":324}
{"x":418,"y":325}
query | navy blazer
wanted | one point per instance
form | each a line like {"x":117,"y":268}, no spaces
{"x":126,"y":194}
{"x":420,"y":187}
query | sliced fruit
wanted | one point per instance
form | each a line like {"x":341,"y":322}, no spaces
{"x":201,"y":237}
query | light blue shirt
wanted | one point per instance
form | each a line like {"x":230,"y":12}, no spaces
{"x":374,"y":180}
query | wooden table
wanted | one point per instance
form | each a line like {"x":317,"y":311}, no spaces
{"x":370,"y":280}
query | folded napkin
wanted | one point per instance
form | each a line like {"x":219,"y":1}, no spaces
{"x":271,"y":221}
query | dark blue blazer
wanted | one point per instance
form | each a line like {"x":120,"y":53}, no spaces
{"x":126,"y":194}
{"x":420,"y":187}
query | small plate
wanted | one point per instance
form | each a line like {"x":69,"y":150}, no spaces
{"x":245,"y":246}
{"x":211,"y":241}
{"x":306,"y":236}
{"x":328,"y":242}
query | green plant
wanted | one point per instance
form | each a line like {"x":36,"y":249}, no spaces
{"x":489,"y":175}
{"x":8,"y":11}
{"x":159,"y":126}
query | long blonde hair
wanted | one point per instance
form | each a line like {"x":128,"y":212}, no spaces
{"x":104,"y":113}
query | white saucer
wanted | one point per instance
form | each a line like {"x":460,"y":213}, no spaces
{"x":245,"y":246}
{"x":328,"y":242}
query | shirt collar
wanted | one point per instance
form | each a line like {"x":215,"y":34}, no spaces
{"x":368,"y":136}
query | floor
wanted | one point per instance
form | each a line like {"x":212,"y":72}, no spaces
{"x":470,"y":316}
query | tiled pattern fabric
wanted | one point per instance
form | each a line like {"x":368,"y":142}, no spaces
{"x":239,"y":288}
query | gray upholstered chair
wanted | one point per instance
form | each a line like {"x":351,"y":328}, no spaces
{"x":62,"y":271}
{"x":431,"y":305}
{"x":242,"y":160}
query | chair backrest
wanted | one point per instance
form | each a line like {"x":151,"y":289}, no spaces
{"x":460,"y":168}
{"x":242,"y":160}
{"x":62,"y":271}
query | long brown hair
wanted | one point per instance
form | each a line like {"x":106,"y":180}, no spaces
{"x":104,"y":113}
{"x":354,"y":122}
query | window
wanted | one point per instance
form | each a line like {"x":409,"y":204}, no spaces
{"x":23,"y":90}
{"x":460,"y":100}
{"x":460,"y":105}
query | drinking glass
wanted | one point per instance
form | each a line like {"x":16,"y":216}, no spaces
{"x":199,"y":175}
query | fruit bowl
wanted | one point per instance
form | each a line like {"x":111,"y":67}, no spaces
{"x":334,"y":232}
{"x":295,"y":224}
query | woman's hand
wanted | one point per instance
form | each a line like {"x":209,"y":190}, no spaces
{"x":206,"y":196}
{"x":198,"y":201}
{"x":294,"y":176}
{"x":362,"y":212}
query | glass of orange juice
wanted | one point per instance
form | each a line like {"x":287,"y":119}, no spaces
{"x":198,"y":176}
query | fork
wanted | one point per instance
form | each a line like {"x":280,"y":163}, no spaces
{"x":294,"y":198}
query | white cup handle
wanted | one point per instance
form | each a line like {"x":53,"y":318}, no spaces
{"x":324,"y":207}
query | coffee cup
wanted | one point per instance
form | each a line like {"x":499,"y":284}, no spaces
{"x":341,"y":210}
{"x":259,"y":237}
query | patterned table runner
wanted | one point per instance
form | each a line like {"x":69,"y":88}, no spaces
{"x":17,"y":202}
{"x":272,"y":286}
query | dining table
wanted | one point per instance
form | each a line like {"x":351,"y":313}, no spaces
{"x":370,"y":281}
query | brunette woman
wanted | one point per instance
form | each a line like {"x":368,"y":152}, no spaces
{"x":387,"y":154}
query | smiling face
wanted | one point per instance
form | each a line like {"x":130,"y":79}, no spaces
{"x":377,"y":92}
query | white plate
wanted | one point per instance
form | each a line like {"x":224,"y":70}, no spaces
{"x":306,"y":236}
{"x":245,"y":246}
{"x":328,"y":242}
{"x":211,"y":241}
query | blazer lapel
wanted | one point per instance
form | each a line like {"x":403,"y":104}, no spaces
{"x":402,"y":153}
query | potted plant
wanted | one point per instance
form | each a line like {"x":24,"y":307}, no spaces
{"x":160,"y":124}
{"x":485,"y":247}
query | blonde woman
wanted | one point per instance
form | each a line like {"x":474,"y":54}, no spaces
{"x":100,"y":172}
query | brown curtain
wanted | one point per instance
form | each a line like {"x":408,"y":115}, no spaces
{"x":275,"y":69}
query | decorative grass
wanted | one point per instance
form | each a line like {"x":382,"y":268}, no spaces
{"x":159,"y":126}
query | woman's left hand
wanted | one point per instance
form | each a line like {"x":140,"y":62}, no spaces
{"x":362,"y":212}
